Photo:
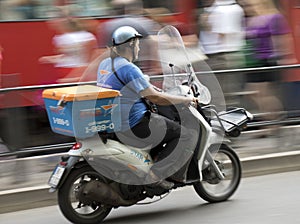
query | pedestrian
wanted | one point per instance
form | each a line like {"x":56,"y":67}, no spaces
{"x":269,"y":39}
{"x":222,"y":33}
{"x":74,"y":46}
{"x":221,"y":38}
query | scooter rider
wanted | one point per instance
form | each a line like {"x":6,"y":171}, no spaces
{"x":138,"y":124}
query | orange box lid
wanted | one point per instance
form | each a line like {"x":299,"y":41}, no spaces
{"x":80,"y":93}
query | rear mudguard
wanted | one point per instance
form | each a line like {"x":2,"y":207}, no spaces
{"x":72,"y":162}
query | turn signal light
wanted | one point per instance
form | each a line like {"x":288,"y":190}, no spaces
{"x":76,"y":146}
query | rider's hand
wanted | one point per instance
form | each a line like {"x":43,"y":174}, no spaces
{"x":194,"y":102}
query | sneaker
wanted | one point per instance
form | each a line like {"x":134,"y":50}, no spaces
{"x":158,"y":182}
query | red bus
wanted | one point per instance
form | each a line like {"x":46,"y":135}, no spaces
{"x":26,"y":36}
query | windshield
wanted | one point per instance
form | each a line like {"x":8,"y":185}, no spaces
{"x":173,"y":58}
{"x":186,"y":65}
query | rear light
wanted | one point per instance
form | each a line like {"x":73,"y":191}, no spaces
{"x":63,"y":163}
{"x":76,"y":146}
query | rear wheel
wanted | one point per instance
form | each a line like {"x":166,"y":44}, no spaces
{"x":72,"y":208}
{"x":212,"y":188}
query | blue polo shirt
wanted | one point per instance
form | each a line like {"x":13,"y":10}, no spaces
{"x":132,"y":107}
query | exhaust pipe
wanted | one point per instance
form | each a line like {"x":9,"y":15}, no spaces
{"x":102,"y":193}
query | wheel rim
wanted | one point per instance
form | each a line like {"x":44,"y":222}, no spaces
{"x":91,"y":210}
{"x":230,"y":168}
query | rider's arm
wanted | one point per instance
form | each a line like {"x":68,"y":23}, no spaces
{"x":161,"y":98}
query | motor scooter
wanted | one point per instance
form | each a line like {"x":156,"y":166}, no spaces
{"x":101,"y":173}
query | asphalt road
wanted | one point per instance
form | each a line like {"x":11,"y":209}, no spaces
{"x":268,"y":199}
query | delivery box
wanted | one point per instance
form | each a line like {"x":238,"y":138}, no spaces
{"x":82,"y":111}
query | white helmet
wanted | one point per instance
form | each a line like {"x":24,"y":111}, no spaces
{"x":123,"y":34}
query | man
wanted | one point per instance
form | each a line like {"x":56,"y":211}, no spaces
{"x":138,"y":125}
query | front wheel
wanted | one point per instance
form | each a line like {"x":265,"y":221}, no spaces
{"x":70,"y":205}
{"x":212,"y":188}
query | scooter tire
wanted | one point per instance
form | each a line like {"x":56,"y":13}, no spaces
{"x":201,"y":187}
{"x":65,"y":203}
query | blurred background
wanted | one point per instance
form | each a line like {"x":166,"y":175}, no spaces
{"x":251,"y":45}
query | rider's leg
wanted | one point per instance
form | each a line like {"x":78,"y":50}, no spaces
{"x":180,"y":143}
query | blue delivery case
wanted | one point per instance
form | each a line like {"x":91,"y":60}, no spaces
{"x":83,"y":111}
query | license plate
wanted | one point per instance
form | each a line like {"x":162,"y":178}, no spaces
{"x":56,"y":176}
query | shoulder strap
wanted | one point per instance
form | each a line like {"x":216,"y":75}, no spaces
{"x":115,"y":72}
